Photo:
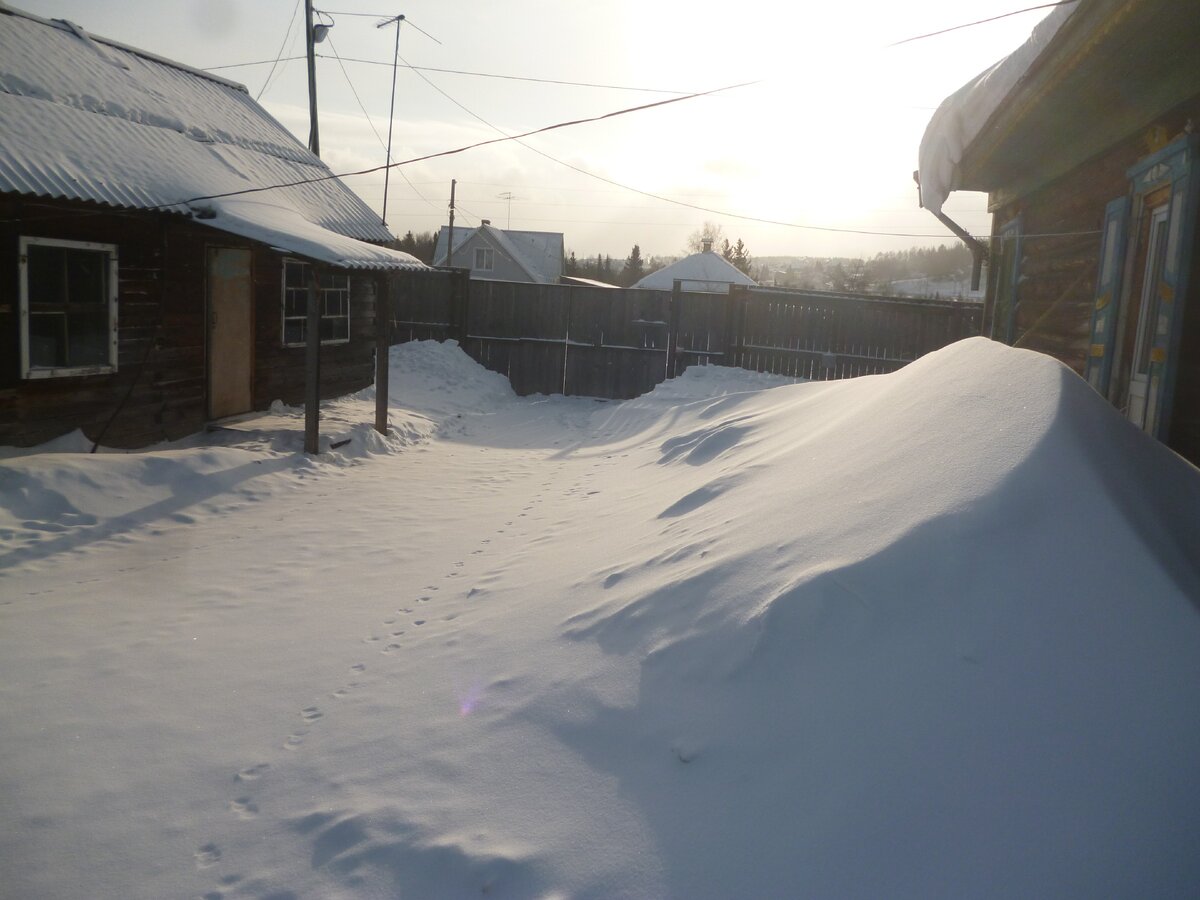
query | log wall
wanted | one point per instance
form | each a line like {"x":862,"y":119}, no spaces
{"x":159,"y":391}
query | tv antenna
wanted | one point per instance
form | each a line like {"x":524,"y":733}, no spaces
{"x":508,"y":195}
{"x":395,"y":20}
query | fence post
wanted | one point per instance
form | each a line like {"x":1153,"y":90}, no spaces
{"x":673,"y":326}
{"x":461,"y":288}
{"x":733,"y":322}
{"x":383,"y":319}
{"x":312,"y":362}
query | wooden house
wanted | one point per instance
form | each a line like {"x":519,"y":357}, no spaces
{"x":154,"y":275}
{"x":1086,"y":141}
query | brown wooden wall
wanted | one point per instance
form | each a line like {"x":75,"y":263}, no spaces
{"x":1057,"y":286}
{"x":160,"y":348}
{"x":279,"y":370}
{"x":160,"y":385}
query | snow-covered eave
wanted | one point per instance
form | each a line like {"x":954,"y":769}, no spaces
{"x":282,"y":228}
{"x":278,"y":226}
{"x":963,"y":117}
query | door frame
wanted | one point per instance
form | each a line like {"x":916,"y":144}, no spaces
{"x":1174,"y":168}
{"x":209,"y":252}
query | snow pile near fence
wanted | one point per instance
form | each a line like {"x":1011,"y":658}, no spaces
{"x":925,"y":634}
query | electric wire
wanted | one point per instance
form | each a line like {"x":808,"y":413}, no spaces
{"x":279,"y":55}
{"x":367,"y":116}
{"x":517,"y":138}
{"x":443,"y":71}
{"x":1017,"y":12}
{"x":442,"y":153}
{"x":659,"y":197}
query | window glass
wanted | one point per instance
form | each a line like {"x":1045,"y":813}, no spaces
{"x":335,"y":305}
{"x":69,"y":323}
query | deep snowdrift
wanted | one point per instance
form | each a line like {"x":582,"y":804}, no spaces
{"x":932,"y":633}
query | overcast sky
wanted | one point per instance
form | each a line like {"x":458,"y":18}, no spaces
{"x":827,"y":136}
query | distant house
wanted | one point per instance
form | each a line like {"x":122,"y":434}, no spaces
{"x":942,"y":288}
{"x":499,"y":255}
{"x":149,"y":285}
{"x":703,"y":272}
{"x":1085,"y":140}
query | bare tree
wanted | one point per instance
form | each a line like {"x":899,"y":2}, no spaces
{"x":711,"y":232}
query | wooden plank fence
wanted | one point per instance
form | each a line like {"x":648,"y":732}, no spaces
{"x":616,"y":344}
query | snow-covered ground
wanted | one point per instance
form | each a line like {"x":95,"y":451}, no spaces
{"x":928,"y":634}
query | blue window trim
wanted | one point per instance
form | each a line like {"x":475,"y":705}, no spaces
{"x":1173,"y":166}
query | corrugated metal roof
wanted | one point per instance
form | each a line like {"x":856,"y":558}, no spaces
{"x":93,"y":120}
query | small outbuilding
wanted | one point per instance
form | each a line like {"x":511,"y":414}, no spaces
{"x":703,"y":272}
{"x":1085,"y":139}
{"x":160,"y":237}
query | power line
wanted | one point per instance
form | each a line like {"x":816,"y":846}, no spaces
{"x":704,"y":209}
{"x":335,"y":12}
{"x":279,"y":55}
{"x":368,"y":171}
{"x":377,"y":62}
{"x":367,"y":116}
{"x":921,"y":37}
{"x":587,"y":84}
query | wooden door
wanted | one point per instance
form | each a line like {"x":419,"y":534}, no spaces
{"x":230,"y":332}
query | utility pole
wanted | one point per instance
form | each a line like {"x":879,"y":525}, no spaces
{"x":450,"y":238}
{"x":391,"y":109}
{"x":314,"y":140}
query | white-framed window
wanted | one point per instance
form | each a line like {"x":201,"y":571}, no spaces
{"x":335,"y":305}
{"x":68,"y":307}
{"x":485,"y":259}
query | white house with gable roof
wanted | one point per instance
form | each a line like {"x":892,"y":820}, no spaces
{"x":500,"y":255}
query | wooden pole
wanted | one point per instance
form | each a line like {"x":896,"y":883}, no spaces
{"x":314,"y":139}
{"x":450,"y":235}
{"x":312,"y":365}
{"x":383,"y":319}
{"x":737,"y":293}
{"x":673,"y":327}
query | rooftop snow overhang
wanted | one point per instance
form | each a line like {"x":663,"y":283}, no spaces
{"x":90,"y":121}
{"x":1092,"y":74}
{"x":282,"y":228}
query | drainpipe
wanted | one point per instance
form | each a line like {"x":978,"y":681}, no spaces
{"x":979,"y":250}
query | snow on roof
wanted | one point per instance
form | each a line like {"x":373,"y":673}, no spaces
{"x":90,"y":119}
{"x":588,"y":282}
{"x":707,"y":272}
{"x":962,"y":116}
{"x":539,"y":253}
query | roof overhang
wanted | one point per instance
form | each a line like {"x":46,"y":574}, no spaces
{"x":1092,"y":74}
{"x":280,"y":227}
